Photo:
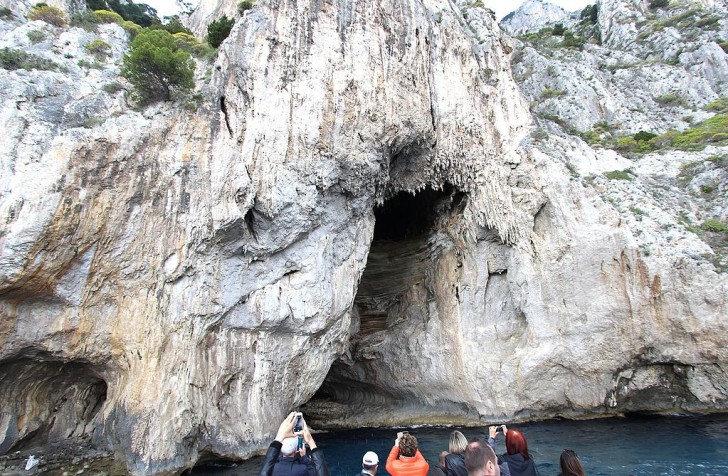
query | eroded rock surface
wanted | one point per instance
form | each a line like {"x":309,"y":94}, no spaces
{"x":360,"y":218}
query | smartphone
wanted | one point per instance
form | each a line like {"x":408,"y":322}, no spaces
{"x":298,"y":426}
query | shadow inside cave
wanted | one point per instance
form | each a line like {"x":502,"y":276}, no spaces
{"x":395,"y":286}
{"x":47,"y":401}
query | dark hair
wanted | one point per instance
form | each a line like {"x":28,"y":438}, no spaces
{"x":516,"y":443}
{"x":570,"y":464}
{"x":477,"y":455}
{"x":407,"y":445}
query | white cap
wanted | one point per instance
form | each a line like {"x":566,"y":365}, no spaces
{"x":370,"y":458}
{"x":290,"y":445}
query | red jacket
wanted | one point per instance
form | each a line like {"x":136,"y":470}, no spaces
{"x":406,"y":465}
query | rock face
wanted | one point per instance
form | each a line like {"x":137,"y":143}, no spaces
{"x":532,"y":15}
{"x":359,"y":219}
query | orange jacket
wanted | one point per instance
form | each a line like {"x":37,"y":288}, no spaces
{"x":406,"y":465}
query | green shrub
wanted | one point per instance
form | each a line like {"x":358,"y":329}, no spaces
{"x":244,"y":5}
{"x":551,"y":93}
{"x":96,"y":4}
{"x":591,"y":137}
{"x":51,"y":15}
{"x":664,"y":140}
{"x":112,"y":88}
{"x":185,"y":41}
{"x":131,"y":28}
{"x":36,"y":36}
{"x":625,"y":144}
{"x":218,"y":30}
{"x":98,"y":47}
{"x":724,"y":45}
{"x":590,"y":14}
{"x":670,"y":99}
{"x":192,"y":102}
{"x":655,"y":4}
{"x":572,"y":41}
{"x":712,"y":130}
{"x":714,"y":226}
{"x":191,"y":44}
{"x":603,"y":126}
{"x":644,"y":136}
{"x":558,"y":30}
{"x":87,"y":20}
{"x":106,"y":16}
{"x":157,"y":67}
{"x":18,"y":59}
{"x":708,"y":23}
{"x":620,"y":175}
{"x":719,"y":105}
{"x":707,"y":189}
{"x":5,"y":12}
{"x":174,"y":25}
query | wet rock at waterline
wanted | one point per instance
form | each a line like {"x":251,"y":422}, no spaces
{"x":359,"y":220}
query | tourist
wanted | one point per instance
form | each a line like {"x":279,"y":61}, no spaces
{"x":439,"y":470}
{"x":405,"y":459}
{"x":517,"y":458}
{"x":480,"y":459}
{"x":570,"y":464}
{"x":369,"y":464}
{"x":454,"y":461}
{"x":288,"y":455}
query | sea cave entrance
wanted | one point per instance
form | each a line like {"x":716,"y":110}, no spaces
{"x":395,"y":288}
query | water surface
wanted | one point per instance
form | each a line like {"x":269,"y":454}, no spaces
{"x":667,"y":446}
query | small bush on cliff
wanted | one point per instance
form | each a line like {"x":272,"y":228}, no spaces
{"x":572,"y":41}
{"x":131,"y":28}
{"x":36,"y":36}
{"x":620,"y":175}
{"x":218,"y":30}
{"x":5,"y":12}
{"x":190,"y":44}
{"x":173,"y":25}
{"x":98,"y":47}
{"x":714,"y":226}
{"x":644,"y":136}
{"x":719,"y":105}
{"x":244,"y":5}
{"x":558,"y":30}
{"x":590,"y":13}
{"x":670,"y":99}
{"x":156,"y":66}
{"x":18,"y":59}
{"x":140,"y":13}
{"x":51,"y":15}
{"x":106,"y":16}
{"x":655,"y":4}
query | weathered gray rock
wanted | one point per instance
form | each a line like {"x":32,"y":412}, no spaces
{"x":360,"y":219}
{"x":534,"y":15}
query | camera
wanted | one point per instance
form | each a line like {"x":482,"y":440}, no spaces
{"x":499,"y":428}
{"x":298,"y":426}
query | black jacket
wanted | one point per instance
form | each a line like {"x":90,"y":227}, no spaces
{"x":313,"y":464}
{"x":518,"y":465}
{"x":455,"y":465}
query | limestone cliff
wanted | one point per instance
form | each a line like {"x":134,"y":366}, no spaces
{"x":361,"y":219}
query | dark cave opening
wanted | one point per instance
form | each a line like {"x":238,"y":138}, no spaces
{"x":400,"y":259}
{"x":46,"y":401}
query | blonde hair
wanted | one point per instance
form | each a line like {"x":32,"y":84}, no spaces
{"x":457,"y":443}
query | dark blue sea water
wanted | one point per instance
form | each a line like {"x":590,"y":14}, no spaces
{"x":619,"y":446}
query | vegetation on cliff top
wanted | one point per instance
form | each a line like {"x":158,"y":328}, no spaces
{"x":157,"y":67}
